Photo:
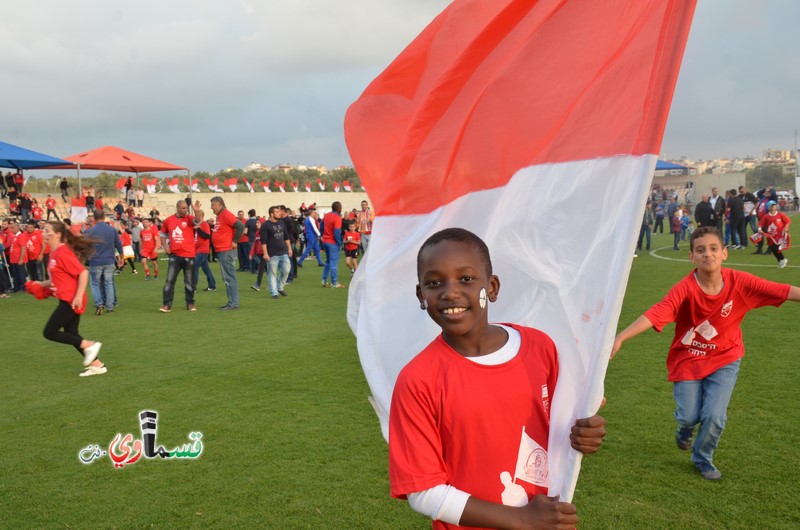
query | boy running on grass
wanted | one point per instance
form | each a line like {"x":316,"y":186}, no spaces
{"x":462,"y":406}
{"x":707,"y":307}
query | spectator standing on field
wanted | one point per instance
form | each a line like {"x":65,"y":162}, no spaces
{"x":178,"y":240}
{"x":332,"y":241}
{"x":102,"y":265}
{"x":226,"y":232}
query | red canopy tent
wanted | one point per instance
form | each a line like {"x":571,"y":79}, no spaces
{"x":112,"y":158}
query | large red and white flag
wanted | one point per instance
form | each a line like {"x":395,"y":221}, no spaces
{"x":536,"y":125}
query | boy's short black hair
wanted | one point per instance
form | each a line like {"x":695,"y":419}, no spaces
{"x":704,"y":231}
{"x":459,"y":235}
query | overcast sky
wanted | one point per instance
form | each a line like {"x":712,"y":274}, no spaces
{"x":211,"y":84}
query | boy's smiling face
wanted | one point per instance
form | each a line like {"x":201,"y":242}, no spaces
{"x":452,"y":275}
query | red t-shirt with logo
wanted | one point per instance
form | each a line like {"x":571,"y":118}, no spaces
{"x":457,"y":422}
{"x":202,"y":245}
{"x":222,"y":236}
{"x":33,"y":245}
{"x":708,"y":335}
{"x":64,"y":268}
{"x":148,"y":239}
{"x":50,"y":203}
{"x":36,"y":212}
{"x":180,"y":231}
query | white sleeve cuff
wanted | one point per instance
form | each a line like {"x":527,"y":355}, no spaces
{"x":442,"y":503}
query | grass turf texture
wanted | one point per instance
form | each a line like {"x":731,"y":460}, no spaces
{"x":290,"y":440}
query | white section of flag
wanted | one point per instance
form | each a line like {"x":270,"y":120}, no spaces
{"x":561,"y":237}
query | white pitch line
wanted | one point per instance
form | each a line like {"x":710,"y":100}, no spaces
{"x":727,"y":262}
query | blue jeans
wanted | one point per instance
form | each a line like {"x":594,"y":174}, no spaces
{"x":331,"y":263}
{"x":201,"y":262}
{"x":311,"y":246}
{"x":705,"y":402}
{"x":227,"y":266}
{"x":278,"y":272}
{"x":102,"y":281}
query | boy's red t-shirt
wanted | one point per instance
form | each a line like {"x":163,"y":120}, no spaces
{"x":180,"y":231}
{"x":351,"y":240}
{"x":456,"y":422}
{"x":148,"y":240}
{"x":708,"y":332}
{"x":64,"y":268}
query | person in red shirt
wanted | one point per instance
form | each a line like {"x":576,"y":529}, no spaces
{"x":775,"y":228}
{"x":227,"y":230}
{"x":352,"y":240}
{"x":150,"y":243}
{"x":177,"y":235}
{"x":50,"y":204}
{"x":36,"y":211}
{"x":707,"y":307}
{"x":243,"y":245}
{"x":476,"y":401}
{"x":202,"y":248}
{"x":15,"y":246}
{"x":332,"y":242}
{"x":68,"y":281}
{"x":128,"y":255}
{"x":34,"y":251}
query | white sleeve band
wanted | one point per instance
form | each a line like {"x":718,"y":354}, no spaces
{"x":441,"y":503}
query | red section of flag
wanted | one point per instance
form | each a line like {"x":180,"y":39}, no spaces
{"x":492,"y":86}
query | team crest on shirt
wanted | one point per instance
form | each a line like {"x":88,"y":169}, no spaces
{"x":726,"y":309}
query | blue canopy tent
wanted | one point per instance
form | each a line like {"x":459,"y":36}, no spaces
{"x":661,"y":164}
{"x":21,"y":158}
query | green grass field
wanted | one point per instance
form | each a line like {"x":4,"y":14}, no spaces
{"x":290,"y":440}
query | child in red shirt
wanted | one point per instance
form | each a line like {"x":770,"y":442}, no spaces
{"x":707,"y":307}
{"x":474,"y":400}
{"x":352,"y":240}
{"x":68,"y":281}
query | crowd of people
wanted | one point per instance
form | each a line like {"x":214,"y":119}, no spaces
{"x":731,"y":214}
{"x":108,"y":244}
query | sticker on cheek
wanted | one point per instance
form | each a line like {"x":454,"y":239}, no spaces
{"x":482,"y":298}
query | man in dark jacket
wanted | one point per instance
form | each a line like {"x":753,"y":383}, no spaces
{"x":704,"y":213}
{"x":738,"y":230}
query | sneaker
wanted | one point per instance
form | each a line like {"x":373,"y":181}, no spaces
{"x":191,"y":307}
{"x":274,"y":297}
{"x":134,"y":272}
{"x":118,"y":273}
{"x":147,"y":278}
{"x":90,"y":353}
{"x":99,"y":310}
{"x":782,"y":263}
{"x":155,"y":277}
{"x":324,"y":284}
{"x":708,"y":471}
{"x":226,"y":306}
{"x":337,"y":285}
{"x":110,"y":309}
{"x":165,"y":309}
{"x":300,"y":264}
{"x":282,"y":293}
{"x":210,"y":289}
{"x":256,"y":288}
{"x":683,"y":437}
{"x":320,"y":264}
{"x":229,"y":308}
{"x":93,"y":370}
